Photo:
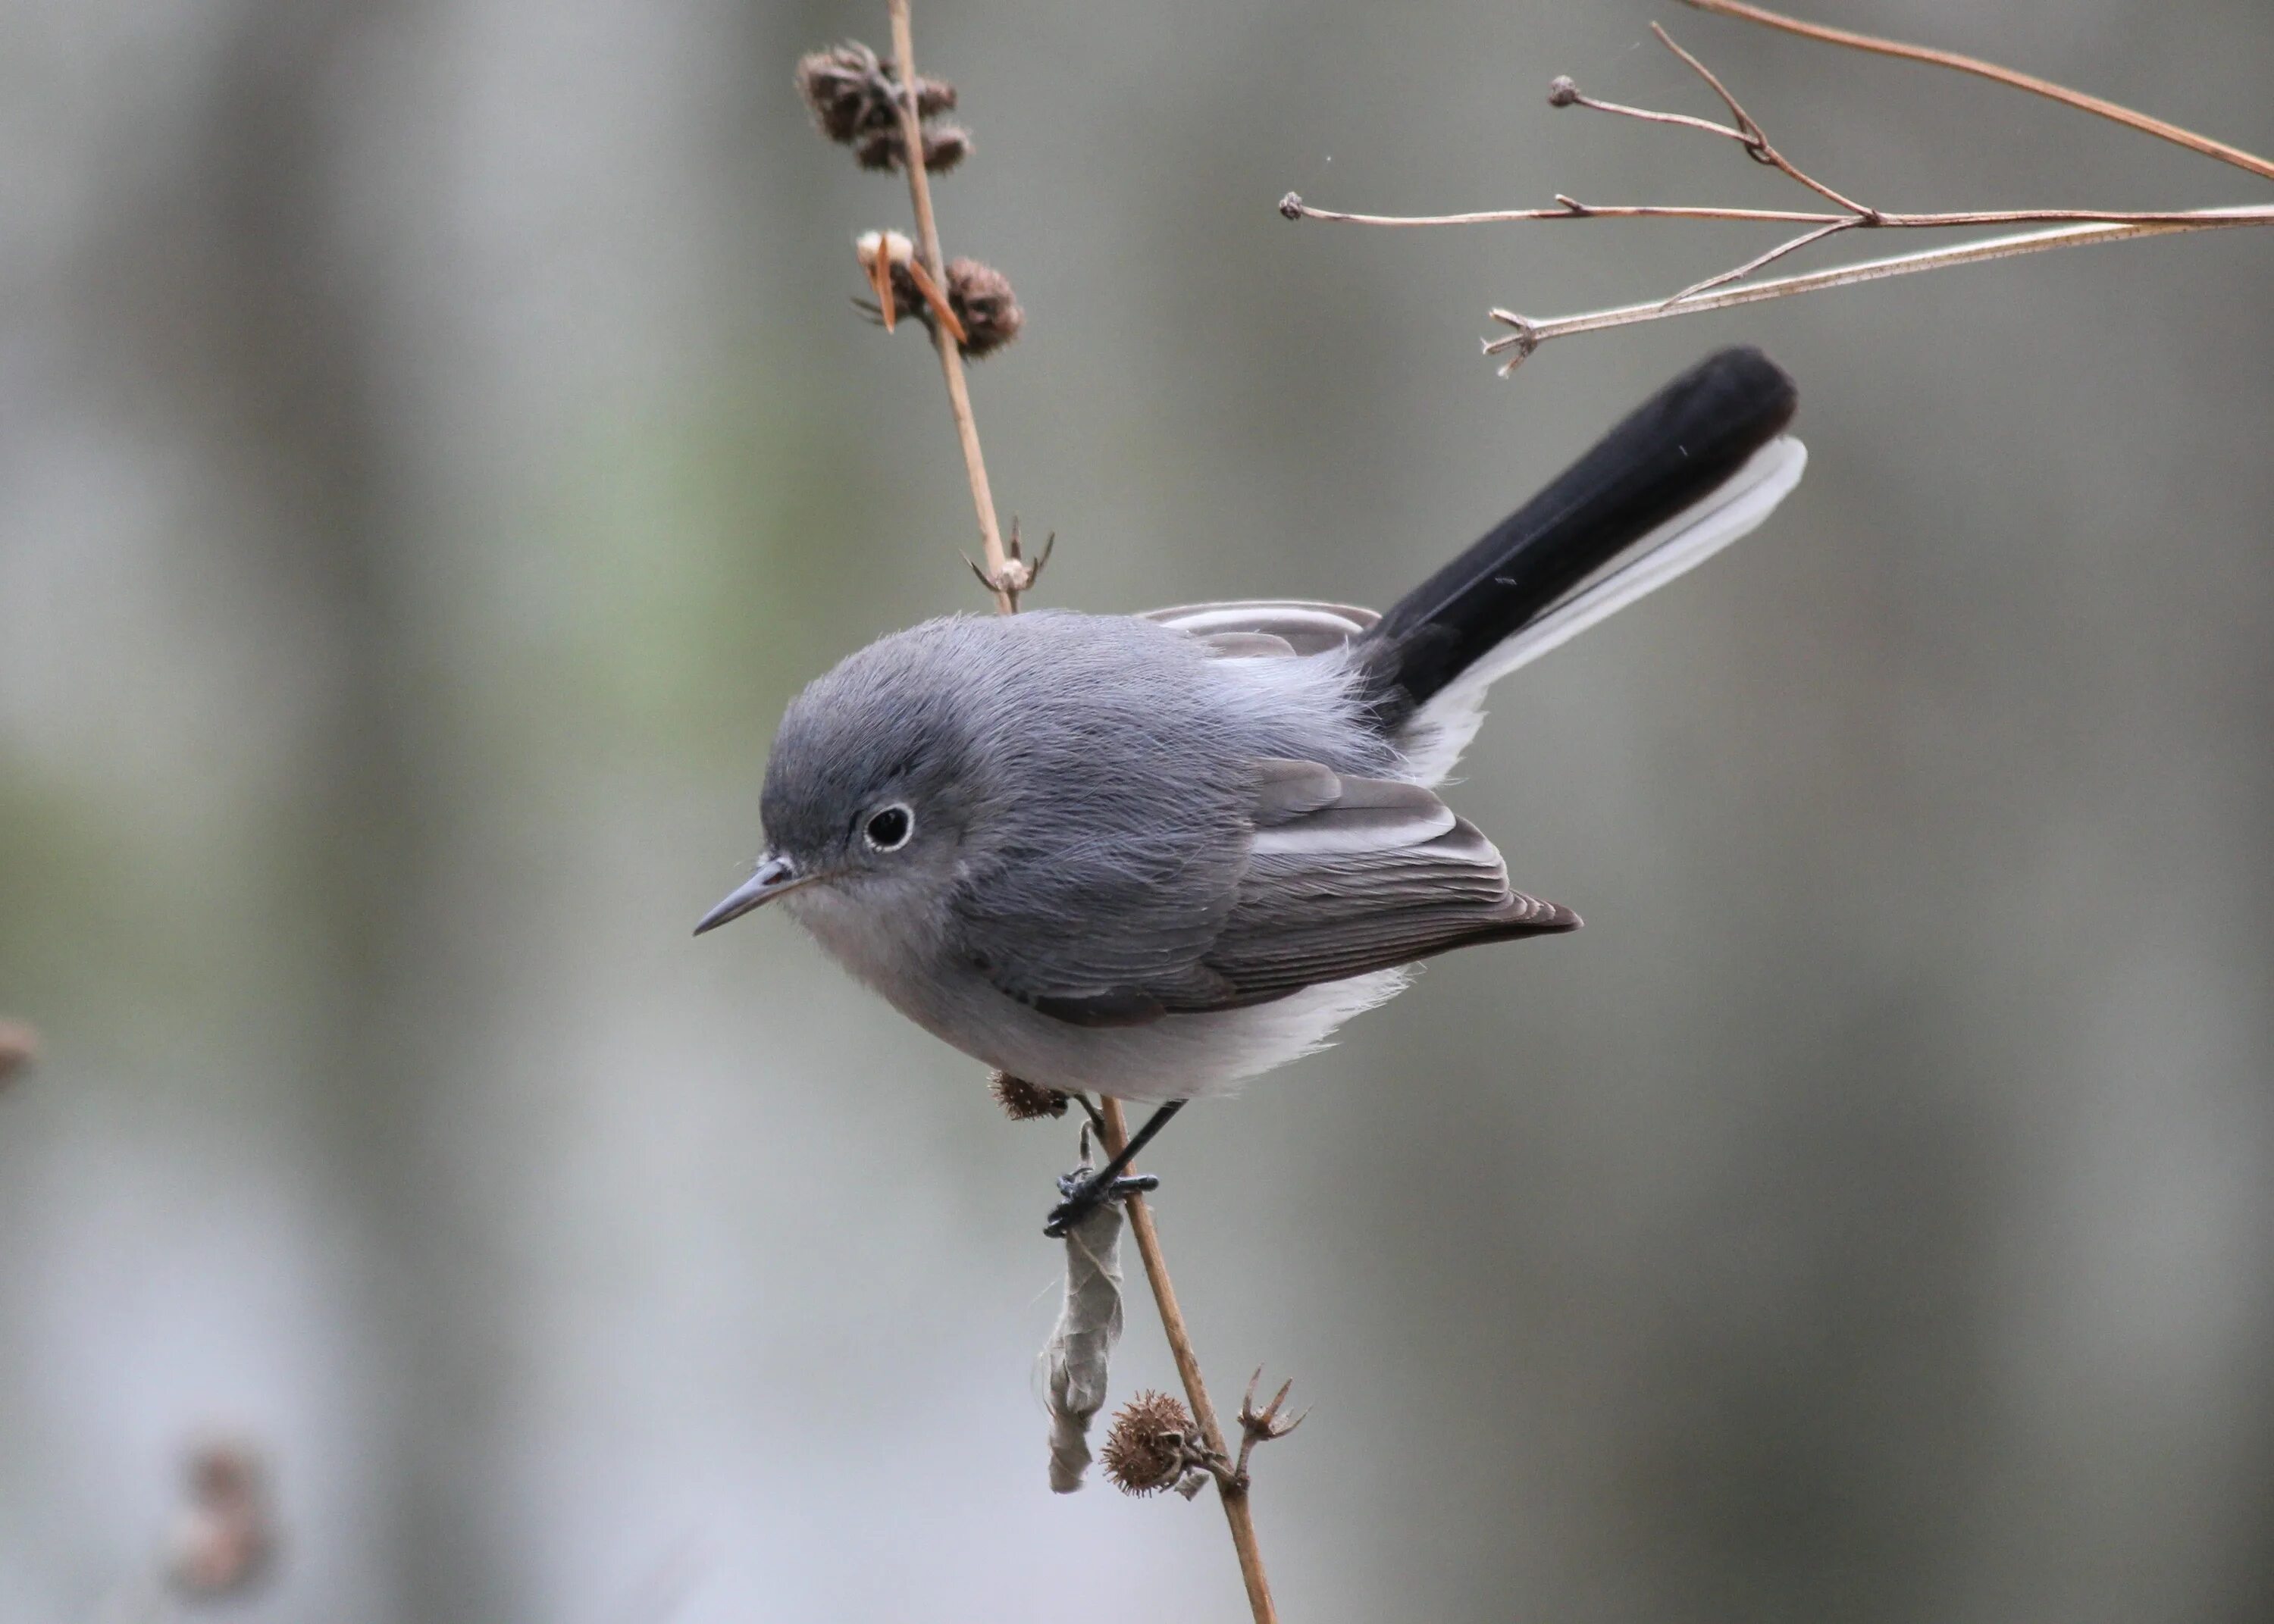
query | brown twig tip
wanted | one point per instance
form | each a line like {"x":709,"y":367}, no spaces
{"x":226,"y":1537}
{"x":19,"y":1047}
{"x":1148,"y":1447}
{"x":854,"y":95}
{"x":1025,"y":1101}
{"x":1019,"y":572}
{"x":1264,"y":1425}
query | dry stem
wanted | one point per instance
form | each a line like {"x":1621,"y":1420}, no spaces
{"x":2071,"y":228}
{"x":2112,"y":110}
{"x":1233,"y":1492}
{"x":1006,"y":574}
{"x":1001,"y":580}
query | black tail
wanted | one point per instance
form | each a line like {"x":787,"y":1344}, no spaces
{"x":1675,"y":448}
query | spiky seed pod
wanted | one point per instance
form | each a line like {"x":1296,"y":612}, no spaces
{"x":982,"y":299}
{"x":1025,"y":1101}
{"x":1144,"y":1449}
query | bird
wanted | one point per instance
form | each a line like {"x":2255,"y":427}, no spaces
{"x":1153,"y":856}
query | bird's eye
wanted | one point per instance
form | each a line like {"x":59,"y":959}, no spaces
{"x":888,"y":830}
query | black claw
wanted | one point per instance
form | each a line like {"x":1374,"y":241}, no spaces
{"x":1085,"y":1193}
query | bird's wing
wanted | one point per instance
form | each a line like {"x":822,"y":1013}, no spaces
{"x":1379,"y":876}
{"x":1344,"y":875}
{"x":1248,"y":629}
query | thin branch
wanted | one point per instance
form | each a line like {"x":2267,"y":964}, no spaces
{"x":1530,"y":334}
{"x":1827,"y":35}
{"x":1237,"y":1511}
{"x":1762,"y":261}
{"x":1001,"y":581}
{"x":1294,"y":207}
{"x":1007,"y":575}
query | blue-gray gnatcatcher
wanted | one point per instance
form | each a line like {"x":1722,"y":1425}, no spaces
{"x":1155,"y":855}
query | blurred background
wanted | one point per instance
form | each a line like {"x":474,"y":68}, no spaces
{"x":435,"y":441}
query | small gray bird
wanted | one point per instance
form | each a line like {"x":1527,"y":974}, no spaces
{"x":1154,"y":855}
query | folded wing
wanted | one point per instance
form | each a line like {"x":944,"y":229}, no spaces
{"x":1345,"y":876}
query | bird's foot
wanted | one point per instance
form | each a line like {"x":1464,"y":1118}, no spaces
{"x":1086,"y":1191}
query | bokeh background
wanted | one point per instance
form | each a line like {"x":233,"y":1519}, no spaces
{"x":435,"y":441}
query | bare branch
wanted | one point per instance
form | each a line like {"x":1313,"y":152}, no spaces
{"x":1530,"y":334}
{"x":1760,"y":261}
{"x":1295,"y":208}
{"x":951,"y":361}
{"x":2073,"y":227}
{"x":2112,"y":110}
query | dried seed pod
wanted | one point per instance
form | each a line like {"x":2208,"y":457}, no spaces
{"x":225,"y":1538}
{"x":855,"y":97}
{"x":934,"y":97}
{"x":945,"y":146}
{"x":1025,"y":1101}
{"x":19,"y":1045}
{"x":847,"y":89}
{"x":1146,"y":1448}
{"x":982,"y":299}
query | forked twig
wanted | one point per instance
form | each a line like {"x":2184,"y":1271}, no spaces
{"x":2068,"y":227}
{"x":1531,"y":333}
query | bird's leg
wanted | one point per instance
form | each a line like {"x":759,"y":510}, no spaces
{"x":1084,"y":1195}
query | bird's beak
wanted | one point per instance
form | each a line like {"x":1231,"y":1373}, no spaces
{"x":775,"y":877}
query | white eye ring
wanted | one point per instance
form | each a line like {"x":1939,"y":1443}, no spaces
{"x":897,"y":823}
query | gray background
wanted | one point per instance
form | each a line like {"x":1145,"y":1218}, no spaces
{"x":434,"y":442}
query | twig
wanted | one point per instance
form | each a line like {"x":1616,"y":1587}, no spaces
{"x":1755,"y":139}
{"x":1761,"y":261}
{"x":2072,"y":227}
{"x":1005,"y":585}
{"x":1232,"y":1492}
{"x":1007,"y":575}
{"x":1294,"y":207}
{"x":1531,"y":333}
{"x":2115,"y":111}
